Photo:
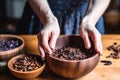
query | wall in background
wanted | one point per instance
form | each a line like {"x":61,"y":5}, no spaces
{"x":112,"y":18}
{"x":14,"y":8}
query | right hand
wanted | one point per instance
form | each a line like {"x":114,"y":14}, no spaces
{"x":47,"y":37}
{"x":88,"y":31}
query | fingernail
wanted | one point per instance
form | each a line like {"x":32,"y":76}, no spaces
{"x":52,"y":47}
{"x":43,"y":58}
{"x":100,"y":52}
{"x":88,"y":46}
{"x":48,"y":52}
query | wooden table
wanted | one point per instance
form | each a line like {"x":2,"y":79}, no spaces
{"x":101,"y":72}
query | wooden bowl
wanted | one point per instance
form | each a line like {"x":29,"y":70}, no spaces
{"x":5,"y":55}
{"x":71,"y":68}
{"x":27,"y":75}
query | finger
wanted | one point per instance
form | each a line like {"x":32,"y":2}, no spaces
{"x":45,"y":44}
{"x":53,"y":41}
{"x":42,"y":53}
{"x":97,"y":42}
{"x":100,"y":48}
{"x":86,"y":40}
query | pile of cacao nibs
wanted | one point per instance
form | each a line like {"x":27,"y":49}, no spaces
{"x":27,"y":63}
{"x":8,"y":45}
{"x":72,"y":53}
{"x":115,"y":48}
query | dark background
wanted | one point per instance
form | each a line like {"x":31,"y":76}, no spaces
{"x":11,"y":11}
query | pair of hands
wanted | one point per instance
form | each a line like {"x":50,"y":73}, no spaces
{"x":50,"y":32}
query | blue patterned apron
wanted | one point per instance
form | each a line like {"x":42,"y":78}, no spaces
{"x":68,"y":12}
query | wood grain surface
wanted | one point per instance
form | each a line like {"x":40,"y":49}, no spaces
{"x":101,"y":72}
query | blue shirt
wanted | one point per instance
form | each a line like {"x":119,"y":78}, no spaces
{"x":68,"y":12}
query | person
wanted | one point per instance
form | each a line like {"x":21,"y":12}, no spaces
{"x":50,"y":18}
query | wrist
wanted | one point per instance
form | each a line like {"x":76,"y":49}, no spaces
{"x":51,"y":19}
{"x":89,"y":20}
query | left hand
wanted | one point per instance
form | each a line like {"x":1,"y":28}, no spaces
{"x":47,"y":37}
{"x":88,"y":31}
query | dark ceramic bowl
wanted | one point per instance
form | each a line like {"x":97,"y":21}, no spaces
{"x":72,"y":68}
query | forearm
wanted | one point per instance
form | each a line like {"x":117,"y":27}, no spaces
{"x":42,"y":10}
{"x":97,"y":10}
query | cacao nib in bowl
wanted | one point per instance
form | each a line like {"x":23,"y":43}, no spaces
{"x":70,"y":59}
{"x":26,"y":66}
{"x":10,"y":45}
{"x":72,"y":53}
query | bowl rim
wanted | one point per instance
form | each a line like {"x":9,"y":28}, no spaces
{"x":69,"y":35}
{"x":20,"y":55}
{"x":64,"y":60}
{"x":93,"y":56}
{"x":13,"y":36}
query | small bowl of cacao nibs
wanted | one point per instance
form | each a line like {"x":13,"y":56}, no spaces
{"x":26,"y":66}
{"x":10,"y":45}
{"x":70,"y":58}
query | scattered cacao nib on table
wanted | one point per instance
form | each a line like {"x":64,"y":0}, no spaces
{"x":72,"y":53}
{"x":27,"y":63}
{"x":115,"y":48}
